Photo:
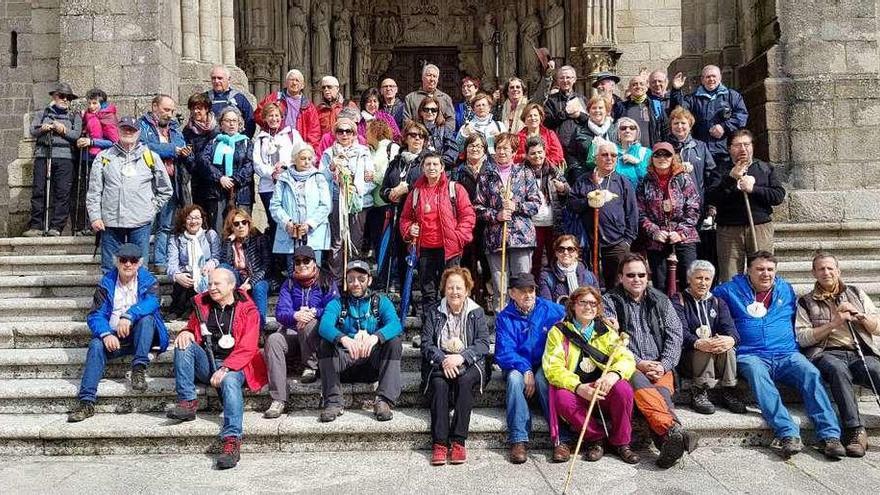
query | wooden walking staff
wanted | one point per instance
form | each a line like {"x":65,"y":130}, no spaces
{"x":505,"y":195}
{"x":751,"y":223}
{"x":622,"y":343}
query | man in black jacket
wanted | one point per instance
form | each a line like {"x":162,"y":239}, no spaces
{"x":763,"y":191}
{"x":564,"y":112}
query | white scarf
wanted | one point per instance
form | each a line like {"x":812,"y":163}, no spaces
{"x":571,"y":277}
{"x":196,"y":258}
{"x":367,"y":116}
{"x":602,"y":130}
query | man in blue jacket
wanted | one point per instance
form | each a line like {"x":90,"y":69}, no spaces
{"x":360,"y":342}
{"x":124,"y":320}
{"x":520,"y":336}
{"x":763,"y":307}
{"x":222,"y":95}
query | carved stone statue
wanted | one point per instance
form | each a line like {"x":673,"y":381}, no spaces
{"x":299,"y":29}
{"x":388,"y":28}
{"x":380,"y":65}
{"x":530,"y":33}
{"x":469,"y":64}
{"x":342,"y":38}
{"x":508,"y":44}
{"x":486,"y":32}
{"x":554,"y":29}
{"x":321,"y":55}
{"x":364,"y":52}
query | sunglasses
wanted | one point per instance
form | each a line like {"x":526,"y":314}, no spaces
{"x":663,"y":154}
{"x":301,"y":261}
{"x":240,"y":223}
{"x":345,"y":131}
{"x":415,"y":135}
{"x":125,"y":260}
{"x":430,"y":110}
{"x":566,"y":249}
{"x":634,"y":275}
{"x":627,"y":128}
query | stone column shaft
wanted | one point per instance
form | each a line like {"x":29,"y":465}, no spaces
{"x":189,"y":10}
{"x":209,"y":31}
{"x":227,"y":31}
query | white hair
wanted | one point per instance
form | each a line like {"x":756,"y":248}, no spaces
{"x":604,"y":143}
{"x":303,"y":146}
{"x":566,"y":68}
{"x":230,"y":277}
{"x":224,"y":69}
{"x":329,"y":81}
{"x":429,"y":66}
{"x":701,"y":266}
{"x":294,"y":72}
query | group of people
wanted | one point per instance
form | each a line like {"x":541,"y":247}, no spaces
{"x":560,"y":214}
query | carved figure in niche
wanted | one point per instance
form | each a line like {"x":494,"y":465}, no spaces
{"x":342,"y":37}
{"x":469,"y":64}
{"x":321,"y":55}
{"x":380,"y":66}
{"x":388,"y":28}
{"x":554,"y":29}
{"x":299,"y":29}
{"x":364,"y":52}
{"x":486,"y":32}
{"x":508,"y":44}
{"x":530,"y":33}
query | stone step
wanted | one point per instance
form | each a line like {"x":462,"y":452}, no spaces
{"x":58,"y":285}
{"x":41,"y":264}
{"x":856,"y":271}
{"x":47,"y":245}
{"x":804,"y":249}
{"x":789,"y":231}
{"x":356,"y":430}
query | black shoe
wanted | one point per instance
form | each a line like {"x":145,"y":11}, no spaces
{"x":139,"y":378}
{"x":730,"y":399}
{"x":271,"y":327}
{"x":330,"y":413}
{"x":832,"y":448}
{"x":82,"y":411}
{"x":231,"y":453}
{"x":672,"y":449}
{"x":383,"y":411}
{"x":700,"y":401}
{"x":790,"y":446}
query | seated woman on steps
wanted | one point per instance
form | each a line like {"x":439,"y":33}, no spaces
{"x":192,"y":254}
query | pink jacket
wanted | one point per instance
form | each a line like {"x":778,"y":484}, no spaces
{"x":101,"y":125}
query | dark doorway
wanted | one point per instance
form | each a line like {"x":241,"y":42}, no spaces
{"x":407,"y":62}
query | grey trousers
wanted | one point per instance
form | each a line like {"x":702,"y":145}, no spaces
{"x":337,"y":366}
{"x":299,"y":345}
{"x":519,"y":260}
{"x":734,"y":243}
{"x":711,"y":369}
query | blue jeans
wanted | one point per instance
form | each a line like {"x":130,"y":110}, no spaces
{"x":164,"y":221}
{"x":795,"y":371}
{"x":138,"y":343}
{"x":519,"y":418}
{"x":113,"y":237}
{"x":191,"y":365}
{"x":259,"y":292}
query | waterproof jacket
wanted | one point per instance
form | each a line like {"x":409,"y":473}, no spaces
{"x":553,"y":284}
{"x":703,"y":168}
{"x":327,"y":114}
{"x":246,"y":356}
{"x":557,"y":119}
{"x":658,"y":122}
{"x":125,"y":190}
{"x":101,"y":127}
{"x":770,"y":336}
{"x":443,"y":140}
{"x":272,"y":148}
{"x":147,"y":304}
{"x":552,"y":146}
{"x":634,"y":172}
{"x":725,"y":107}
{"x":294,"y":296}
{"x":242,"y":173}
{"x":308,"y":124}
{"x":520,"y":339}
{"x":685,"y":203}
{"x":476,"y":338}
{"x":618,"y":218}
{"x":62,"y":145}
{"x":360,"y":317}
{"x":150,"y":137}
{"x":730,"y":202}
{"x":202,"y":183}
{"x":233,"y":98}
{"x":301,"y":200}
{"x":710,"y":310}
{"x":583,"y":153}
{"x":178,"y":251}
{"x":523,"y":191}
{"x":562,"y":357}
{"x":456,"y":226}
{"x":256,"y":254}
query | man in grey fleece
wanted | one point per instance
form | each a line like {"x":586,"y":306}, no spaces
{"x":128,"y":185}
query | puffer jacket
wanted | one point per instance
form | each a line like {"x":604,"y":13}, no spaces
{"x":294,"y":296}
{"x":256,"y":253}
{"x":685,"y":212}
{"x":476,"y":338}
{"x":101,"y":127}
{"x":456,"y":220}
{"x":62,"y":146}
{"x":242,"y":173}
{"x":524,"y":192}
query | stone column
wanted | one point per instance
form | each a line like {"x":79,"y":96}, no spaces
{"x":227,"y":31}
{"x":209,"y":31}
{"x":189,"y":10}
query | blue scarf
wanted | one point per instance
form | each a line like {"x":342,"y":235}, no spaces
{"x":224,"y":150}
{"x":587,"y":331}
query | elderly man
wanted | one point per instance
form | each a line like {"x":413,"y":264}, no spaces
{"x":127,"y":187}
{"x":719,"y":111}
{"x":618,"y":215}
{"x":222,"y":96}
{"x":655,"y":340}
{"x":564,"y":112}
{"x":360,"y":342}
{"x":709,"y":341}
{"x":330,"y":105}
{"x":391,"y":104}
{"x":521,"y":333}
{"x":648,"y":113}
{"x":298,"y":112}
{"x":763,"y":191}
{"x":430,"y":79}
{"x":605,"y":84}
{"x":161,"y":133}
{"x":232,"y":325}
{"x":56,"y":129}
{"x":763,"y":307}
{"x":657,"y":84}
{"x":124,"y":321}
{"x":837,"y":329}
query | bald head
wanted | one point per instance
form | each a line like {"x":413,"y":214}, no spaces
{"x":221,"y":286}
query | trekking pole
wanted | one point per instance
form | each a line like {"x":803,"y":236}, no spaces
{"x":207,"y":342}
{"x":855,"y":337}
{"x":48,"y":184}
{"x":77,"y":201}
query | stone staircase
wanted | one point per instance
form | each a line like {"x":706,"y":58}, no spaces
{"x":45,"y":292}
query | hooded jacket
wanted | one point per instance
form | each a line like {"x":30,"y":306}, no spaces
{"x":520,"y":339}
{"x":312,"y":206}
{"x":147,"y":304}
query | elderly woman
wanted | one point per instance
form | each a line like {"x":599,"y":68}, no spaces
{"x":533,"y":118}
{"x":463,"y":110}
{"x":551,"y":187}
{"x":482,"y":122}
{"x":229,"y":163}
{"x":600,"y":125}
{"x":507,"y":196}
{"x":515,"y":101}
{"x":439,"y":219}
{"x":298,"y":112}
{"x":468,"y":174}
{"x":694,"y":154}
{"x":199,"y":131}
{"x":383,"y":150}
{"x":301,"y":207}
{"x":455,"y":342}
{"x":633,"y":158}
{"x":669,"y":209}
{"x":566,"y":273}
{"x":370,"y":111}
{"x":441,"y":138}
{"x":193,"y":253}
{"x":710,"y":338}
{"x":245,"y":251}
{"x":578,"y":350}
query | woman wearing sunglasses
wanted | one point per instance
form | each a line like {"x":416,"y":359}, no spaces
{"x":245,"y":251}
{"x":441,"y":138}
{"x":559,"y":280}
{"x":633,"y":158}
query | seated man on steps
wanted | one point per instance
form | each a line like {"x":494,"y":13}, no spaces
{"x":827,"y":319}
{"x":234,"y":323}
{"x":360,"y":342}
{"x":763,"y":309}
{"x":124,"y":320}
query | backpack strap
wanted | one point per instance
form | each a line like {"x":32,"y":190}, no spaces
{"x":343,"y":310}
{"x":148,"y":159}
{"x":374,"y":306}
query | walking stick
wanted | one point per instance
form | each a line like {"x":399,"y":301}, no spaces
{"x":855,"y":337}
{"x":751,"y":222}
{"x":502,"y":297}
{"x":622,"y":343}
{"x":77,"y":200}
{"x":596,"y":242}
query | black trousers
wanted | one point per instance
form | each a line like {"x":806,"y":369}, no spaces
{"x":462,"y":391}
{"x":181,"y":299}
{"x":840,"y":368}
{"x":383,"y":365}
{"x":610,"y":257}
{"x":62,"y":183}
{"x":686,"y":254}
{"x":431,"y":267}
{"x":80,"y":217}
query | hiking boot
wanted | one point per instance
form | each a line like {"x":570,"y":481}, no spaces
{"x":32,"y":233}
{"x":139,"y":378}
{"x":330,"y":413}
{"x":561,"y":453}
{"x":417,"y":341}
{"x":438,"y":454}
{"x":275,"y":410}
{"x":856,"y":441}
{"x":518,"y":454}
{"x":309,"y":376}
{"x":458,"y":454}
{"x":731,"y":400}
{"x":700,"y":401}
{"x":53,"y":233}
{"x":832,"y":448}
{"x":790,"y":446}
{"x":382,"y":410}
{"x":231,"y":453}
{"x":594,"y":452}
{"x":82,"y":411}
{"x":672,"y":449}
{"x":184,"y":410}
{"x":627,"y":454}
{"x":271,"y":327}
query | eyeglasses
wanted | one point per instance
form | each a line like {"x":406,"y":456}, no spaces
{"x":240,"y":223}
{"x":587,"y":303}
{"x":415,"y":135}
{"x":193,"y":219}
{"x":663,"y":154}
{"x":126,"y":260}
{"x":475,"y":146}
{"x":606,"y":154}
{"x":230,"y":121}
{"x":345,"y":131}
{"x":327,"y":86}
{"x":628,"y":128}
{"x":634,"y":275}
{"x":430,"y":109}
{"x":566,"y":249}
{"x":361,"y":279}
{"x":301,"y":261}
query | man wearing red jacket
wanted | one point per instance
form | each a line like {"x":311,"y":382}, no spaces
{"x":438,"y":222}
{"x":234,"y":323}
{"x":299,"y":113}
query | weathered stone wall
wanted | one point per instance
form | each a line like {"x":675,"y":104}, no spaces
{"x":648,"y":33}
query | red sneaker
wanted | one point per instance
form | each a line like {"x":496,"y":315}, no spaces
{"x":438,"y":456}
{"x":459,"y":454}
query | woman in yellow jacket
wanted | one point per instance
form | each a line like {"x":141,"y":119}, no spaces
{"x":577,"y":351}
